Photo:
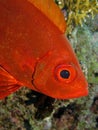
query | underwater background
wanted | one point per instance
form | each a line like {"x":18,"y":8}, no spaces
{"x":29,"y":110}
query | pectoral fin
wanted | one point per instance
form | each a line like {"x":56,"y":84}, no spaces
{"x":8,"y":84}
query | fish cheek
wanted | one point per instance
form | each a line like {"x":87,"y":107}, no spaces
{"x":46,"y":83}
{"x":43,"y":79}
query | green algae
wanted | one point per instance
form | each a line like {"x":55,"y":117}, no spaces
{"x":85,"y":42}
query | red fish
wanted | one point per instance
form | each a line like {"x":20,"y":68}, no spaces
{"x":34,"y":51}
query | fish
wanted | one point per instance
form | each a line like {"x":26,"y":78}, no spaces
{"x":35,"y":53}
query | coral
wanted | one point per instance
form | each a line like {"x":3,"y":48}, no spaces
{"x":78,"y":11}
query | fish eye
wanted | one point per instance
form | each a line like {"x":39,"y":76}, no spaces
{"x":65,"y":73}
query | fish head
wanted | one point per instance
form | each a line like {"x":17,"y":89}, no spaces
{"x":59,"y":74}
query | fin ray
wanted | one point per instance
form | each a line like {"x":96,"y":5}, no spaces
{"x":8,"y":84}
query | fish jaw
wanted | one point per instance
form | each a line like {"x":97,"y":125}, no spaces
{"x":64,"y":92}
{"x":81,"y":91}
{"x":74,"y":90}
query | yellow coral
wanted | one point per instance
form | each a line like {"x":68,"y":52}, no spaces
{"x":78,"y":10}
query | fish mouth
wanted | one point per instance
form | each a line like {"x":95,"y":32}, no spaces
{"x":80,"y":94}
{"x":76,"y":94}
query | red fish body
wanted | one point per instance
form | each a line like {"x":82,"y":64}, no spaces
{"x":34,"y":53}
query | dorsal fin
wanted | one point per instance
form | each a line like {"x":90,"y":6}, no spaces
{"x":52,"y":11}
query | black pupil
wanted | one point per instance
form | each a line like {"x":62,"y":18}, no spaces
{"x":65,"y":74}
